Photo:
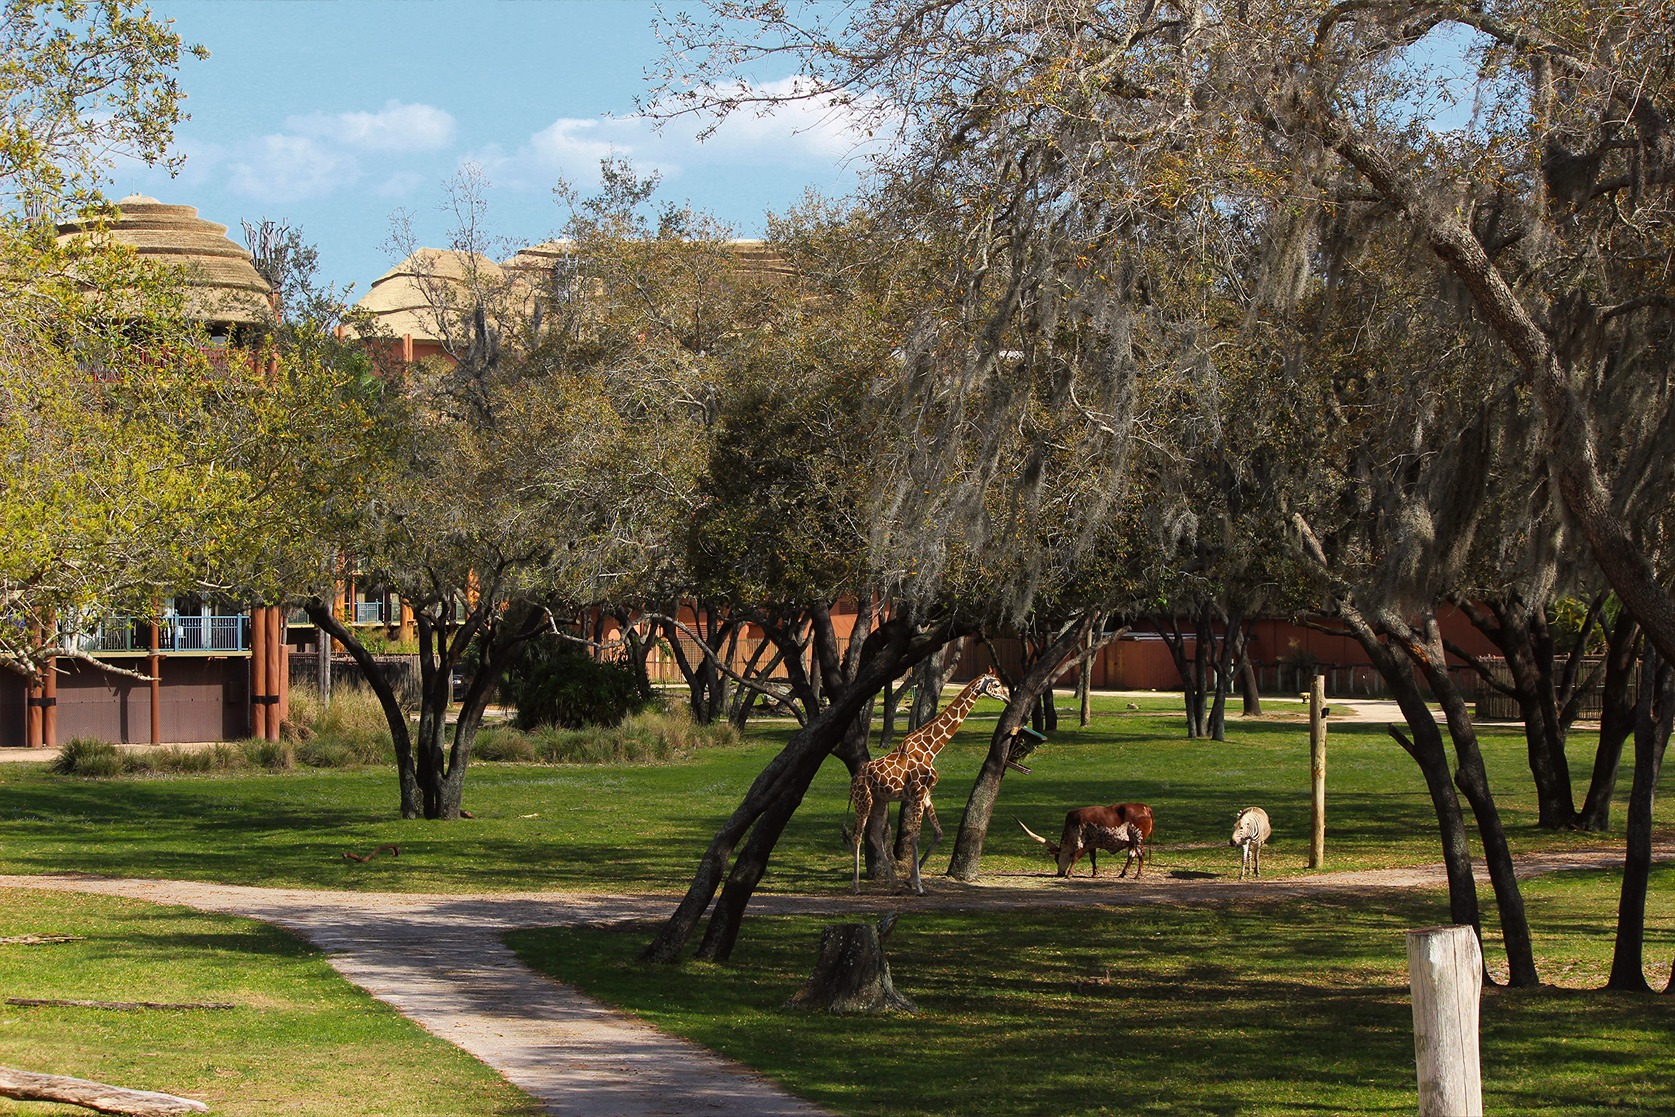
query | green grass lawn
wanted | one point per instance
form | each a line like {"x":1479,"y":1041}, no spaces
{"x":643,"y":826}
{"x":301,"y":1040}
{"x":1248,"y":1008}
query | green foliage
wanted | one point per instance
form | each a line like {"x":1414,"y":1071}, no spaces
{"x":553,"y":682}
{"x":81,"y":83}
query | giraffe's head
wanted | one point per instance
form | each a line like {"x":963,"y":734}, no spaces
{"x":990,"y":686}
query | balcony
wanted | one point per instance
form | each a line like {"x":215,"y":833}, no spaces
{"x":369,"y":612}
{"x":195,"y":633}
{"x":204,"y":634}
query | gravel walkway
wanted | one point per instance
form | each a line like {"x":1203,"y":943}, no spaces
{"x":439,"y":960}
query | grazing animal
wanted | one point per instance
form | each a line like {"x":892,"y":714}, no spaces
{"x":1118,"y":828}
{"x":907,"y":773}
{"x":1250,"y":830}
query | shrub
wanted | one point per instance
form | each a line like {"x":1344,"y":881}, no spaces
{"x":275,"y":756}
{"x":555,"y":683}
{"x":350,"y":731}
{"x":648,"y":736}
{"x":87,"y":756}
{"x":497,"y":743}
{"x":326,"y":752}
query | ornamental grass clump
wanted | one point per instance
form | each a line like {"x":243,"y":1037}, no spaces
{"x":87,"y":757}
{"x":274,"y":756}
{"x":347,"y":732}
{"x":647,"y":737}
{"x":505,"y":745}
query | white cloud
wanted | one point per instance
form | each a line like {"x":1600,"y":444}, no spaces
{"x":281,"y":168}
{"x":819,"y":134}
{"x":818,"y":129}
{"x":321,"y":153}
{"x":568,"y":142}
{"x":396,"y":127}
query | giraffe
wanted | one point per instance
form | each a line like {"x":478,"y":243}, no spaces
{"x":907,"y":773}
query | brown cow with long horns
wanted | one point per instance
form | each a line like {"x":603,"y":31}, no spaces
{"x":1118,"y":828}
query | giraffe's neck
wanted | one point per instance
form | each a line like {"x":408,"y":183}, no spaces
{"x":937,"y":732}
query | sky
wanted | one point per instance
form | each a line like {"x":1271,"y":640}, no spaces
{"x":334,"y":115}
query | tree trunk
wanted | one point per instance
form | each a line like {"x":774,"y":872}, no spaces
{"x":1076,"y":639}
{"x":851,"y":974}
{"x":1616,"y":721}
{"x":1519,"y":629}
{"x":1247,"y":684}
{"x":1222,"y":664}
{"x":927,"y":685}
{"x":1426,"y":748}
{"x":1473,"y":780}
{"x":1654,"y":717}
{"x":1191,"y":695}
{"x":884,"y":654}
{"x":412,"y":802}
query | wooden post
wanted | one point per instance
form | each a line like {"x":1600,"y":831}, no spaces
{"x":279,"y":673}
{"x":32,"y":719}
{"x":49,"y":704}
{"x":1317,"y":772}
{"x":258,"y":673}
{"x":154,"y":668}
{"x":1445,"y":970}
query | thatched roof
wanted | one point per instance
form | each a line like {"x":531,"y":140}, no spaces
{"x":225,"y":287}
{"x":406,"y":299}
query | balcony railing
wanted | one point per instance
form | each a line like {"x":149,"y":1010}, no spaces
{"x":216,"y":633}
{"x":369,"y":612}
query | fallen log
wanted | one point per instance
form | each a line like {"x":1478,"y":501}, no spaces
{"x":393,"y":851}
{"x":23,"y":1085}
{"x":119,"y":1006}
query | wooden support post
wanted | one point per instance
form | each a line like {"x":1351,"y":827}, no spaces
{"x":1445,"y":970}
{"x":32,"y":717}
{"x":258,"y":673}
{"x":154,"y":668}
{"x":49,"y":704}
{"x":279,"y":672}
{"x":1317,"y":772}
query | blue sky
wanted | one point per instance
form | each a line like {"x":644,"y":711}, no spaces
{"x":332,"y":115}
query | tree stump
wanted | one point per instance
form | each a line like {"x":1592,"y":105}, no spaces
{"x":851,"y":974}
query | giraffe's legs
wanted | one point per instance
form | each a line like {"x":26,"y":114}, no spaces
{"x":917,"y":796}
{"x":878,"y":832}
{"x":936,"y":832}
{"x":861,"y":795}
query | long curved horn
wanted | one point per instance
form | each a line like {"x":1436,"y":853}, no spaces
{"x":1030,"y":832}
{"x":1052,"y":847}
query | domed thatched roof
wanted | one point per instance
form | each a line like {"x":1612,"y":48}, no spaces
{"x":225,"y":286}
{"x":409,"y":298}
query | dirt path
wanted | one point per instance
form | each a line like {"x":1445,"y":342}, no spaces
{"x":439,"y":960}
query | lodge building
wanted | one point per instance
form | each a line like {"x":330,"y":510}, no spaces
{"x":199,"y":669}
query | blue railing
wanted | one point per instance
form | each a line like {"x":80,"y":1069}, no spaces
{"x":195,"y":633}
{"x":369,"y":612}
